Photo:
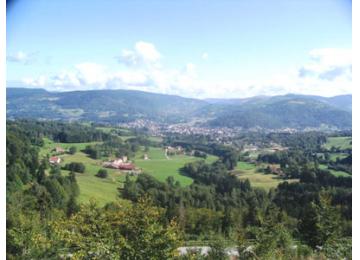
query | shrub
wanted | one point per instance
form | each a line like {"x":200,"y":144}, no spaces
{"x":102,"y":173}
{"x":75,"y":166}
{"x":72,"y":150}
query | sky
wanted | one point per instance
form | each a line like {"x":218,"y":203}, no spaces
{"x":191,"y":48}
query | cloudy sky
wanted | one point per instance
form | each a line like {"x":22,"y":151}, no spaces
{"x":192,"y":48}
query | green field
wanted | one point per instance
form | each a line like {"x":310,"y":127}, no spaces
{"x":245,"y":170}
{"x":91,"y":187}
{"x":333,"y":172}
{"x":245,"y":166}
{"x":161,"y":167}
{"x":50,"y":145}
{"x":344,"y":142}
{"x":333,"y":156}
{"x":105,"y":190}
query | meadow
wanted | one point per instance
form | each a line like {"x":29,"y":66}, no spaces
{"x":333,"y":172}
{"x":343,"y":142}
{"x":161,"y":167}
{"x":105,"y":190}
{"x":91,"y":187}
{"x":250,"y":171}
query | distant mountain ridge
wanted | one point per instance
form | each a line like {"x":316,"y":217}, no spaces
{"x":115,"y":106}
{"x":343,"y":102}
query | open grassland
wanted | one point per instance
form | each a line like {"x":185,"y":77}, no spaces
{"x":343,"y":142}
{"x":245,"y":170}
{"x":333,"y":172}
{"x":245,"y":166}
{"x":91,"y":187}
{"x":105,"y":190}
{"x":161,"y":167}
{"x":155,"y":139}
{"x":50,"y":145}
{"x":333,"y":156}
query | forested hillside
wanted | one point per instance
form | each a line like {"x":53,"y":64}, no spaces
{"x":116,"y":106}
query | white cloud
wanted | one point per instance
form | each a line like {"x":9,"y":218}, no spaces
{"x":327,"y":73}
{"x":144,"y":53}
{"x":39,"y":82}
{"x":21,"y":57}
{"x":328,"y":64}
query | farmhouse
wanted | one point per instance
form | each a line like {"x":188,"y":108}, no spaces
{"x":127,"y":166}
{"x":59,"y":150}
{"x":274,"y":170}
{"x":54,"y":160}
{"x":169,"y":150}
{"x":120,"y":164}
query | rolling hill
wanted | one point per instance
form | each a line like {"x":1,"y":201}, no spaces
{"x":114,"y":106}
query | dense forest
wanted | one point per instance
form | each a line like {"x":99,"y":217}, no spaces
{"x":307,"y":218}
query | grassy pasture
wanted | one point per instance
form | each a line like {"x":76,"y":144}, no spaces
{"x":333,"y":156}
{"x":333,"y":172}
{"x":105,"y":190}
{"x":91,"y":187}
{"x":50,"y":145}
{"x":245,"y":166}
{"x":344,"y":142}
{"x":245,"y":170}
{"x":162,"y":167}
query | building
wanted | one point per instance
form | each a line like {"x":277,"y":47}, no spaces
{"x":59,"y":150}
{"x":127,"y":167}
{"x":119,"y":164}
{"x":113,"y":164}
{"x":55,"y":160}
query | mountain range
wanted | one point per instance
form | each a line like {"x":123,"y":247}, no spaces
{"x":117,"y":106}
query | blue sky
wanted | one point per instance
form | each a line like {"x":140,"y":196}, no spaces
{"x":191,"y":48}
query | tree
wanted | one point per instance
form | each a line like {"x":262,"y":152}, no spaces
{"x":75,"y":166}
{"x":72,"y":150}
{"x":102,"y":173}
{"x":320,"y":222}
{"x":118,"y":232}
{"x":217,"y":250}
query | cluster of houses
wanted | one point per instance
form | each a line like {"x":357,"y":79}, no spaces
{"x":120,"y":163}
{"x":169,"y":150}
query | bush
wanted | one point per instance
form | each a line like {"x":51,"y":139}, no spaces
{"x":75,"y":166}
{"x":102,"y":173}
{"x":72,"y":150}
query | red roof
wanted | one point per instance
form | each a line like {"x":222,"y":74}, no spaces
{"x":127,"y":166}
{"x":54,"y":159}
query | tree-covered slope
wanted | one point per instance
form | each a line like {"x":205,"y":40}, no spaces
{"x":99,"y":105}
{"x":114,"y":106}
{"x":283,"y":111}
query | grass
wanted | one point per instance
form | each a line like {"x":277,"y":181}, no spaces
{"x":245,"y":166}
{"x":334,"y":172}
{"x":333,"y":156}
{"x":161,"y":167}
{"x":91,"y":187}
{"x":245,"y":170}
{"x":344,"y":142}
{"x":50,"y":145}
{"x":105,"y":190}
